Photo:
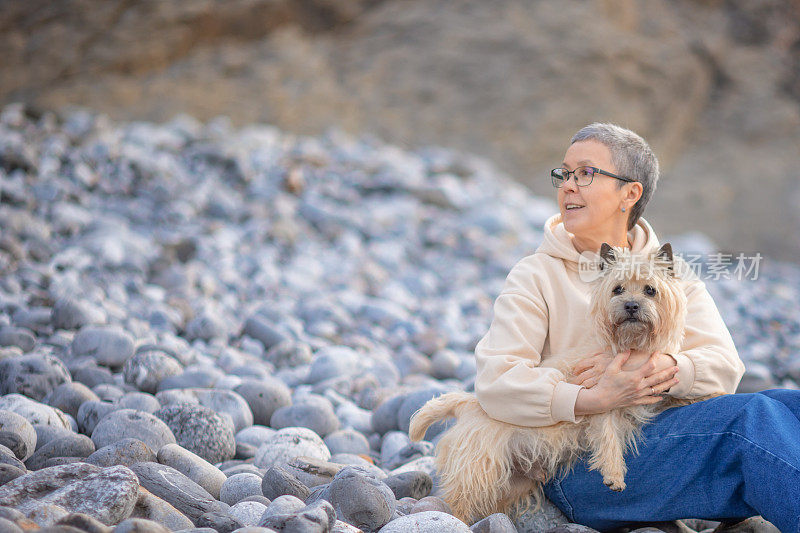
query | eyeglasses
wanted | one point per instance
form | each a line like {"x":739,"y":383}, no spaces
{"x":583,"y":176}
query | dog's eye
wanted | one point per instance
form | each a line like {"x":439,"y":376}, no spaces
{"x":618,"y":289}
{"x":649,"y":290}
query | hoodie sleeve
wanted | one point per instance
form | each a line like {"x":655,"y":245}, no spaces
{"x":509,"y":384}
{"x":708,"y":361}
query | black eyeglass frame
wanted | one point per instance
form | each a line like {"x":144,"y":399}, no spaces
{"x":595,"y":170}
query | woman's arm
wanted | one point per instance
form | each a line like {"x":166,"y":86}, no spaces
{"x":509,"y":384}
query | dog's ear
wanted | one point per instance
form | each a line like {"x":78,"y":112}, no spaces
{"x":664,"y":254}
{"x":608,"y":254}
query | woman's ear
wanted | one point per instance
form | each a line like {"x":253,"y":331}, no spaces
{"x":634,"y":191}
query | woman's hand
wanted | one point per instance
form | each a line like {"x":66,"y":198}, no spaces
{"x":622,"y":388}
{"x":587,"y":371}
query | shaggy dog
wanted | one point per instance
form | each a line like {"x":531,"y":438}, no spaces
{"x":487,"y":466}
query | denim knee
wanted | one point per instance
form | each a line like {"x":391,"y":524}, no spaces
{"x":752,"y":413}
{"x":788,"y":397}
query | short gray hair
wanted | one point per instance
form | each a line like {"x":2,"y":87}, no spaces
{"x":631,"y":155}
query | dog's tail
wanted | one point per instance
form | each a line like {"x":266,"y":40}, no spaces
{"x":437,"y":409}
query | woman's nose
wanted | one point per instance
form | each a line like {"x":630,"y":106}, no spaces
{"x":570,"y":184}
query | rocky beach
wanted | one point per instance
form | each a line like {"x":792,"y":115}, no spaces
{"x":207,"y":328}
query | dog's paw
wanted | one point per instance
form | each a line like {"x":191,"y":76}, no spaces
{"x":617,"y":485}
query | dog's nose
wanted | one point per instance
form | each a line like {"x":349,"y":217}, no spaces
{"x":631,"y":307}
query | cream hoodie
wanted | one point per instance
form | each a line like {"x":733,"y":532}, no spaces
{"x":543,"y":309}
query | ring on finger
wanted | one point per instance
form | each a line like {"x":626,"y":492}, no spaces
{"x":654,"y":390}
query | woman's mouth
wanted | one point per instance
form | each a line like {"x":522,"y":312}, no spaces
{"x":572,"y":207}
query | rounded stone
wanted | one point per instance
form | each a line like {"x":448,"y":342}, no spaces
{"x":412,"y":403}
{"x":108,"y":392}
{"x":333,"y":362}
{"x":259,"y":498}
{"x":194,"y":467}
{"x":347,"y":441}
{"x":109,"y":345}
{"x":129,"y":423}
{"x":8,"y":457}
{"x":69,"y":313}
{"x":316,"y":517}
{"x":384,"y":418}
{"x":415,"y":484}
{"x":431,"y":503}
{"x":248,"y":513}
{"x":141,"y":401}
{"x":22,"y":338}
{"x":225,"y":403}
{"x":10,"y":472}
{"x":264,"y":396}
{"x":17,"y":434}
{"x":423,"y":464}
{"x":241,"y":468}
{"x":354,"y":417}
{"x":84,"y":523}
{"x":219,"y":521}
{"x":148,"y":367}
{"x":139,"y":525}
{"x":74,"y":445}
{"x":176,"y":489}
{"x":283,"y":505}
{"x":361,"y":499}
{"x":238,"y":487}
{"x":426,"y":522}
{"x":289,"y":354}
{"x":259,"y":328}
{"x":69,"y":396}
{"x":34,"y":412}
{"x":92,"y":375}
{"x":196,"y":378}
{"x":200,"y":430}
{"x":288,"y":443}
{"x":546,"y":517}
{"x":254,"y":435}
{"x":127,"y":451}
{"x":312,"y":411}
{"x":45,"y":434}
{"x":205,"y":326}
{"x":278,"y":481}
{"x":498,"y":523}
{"x":391,"y":445}
{"x":445,"y":364}
{"x":33,"y":375}
{"x":106,"y":494}
{"x":92,"y":412}
{"x":7,"y":526}
{"x":151,"y":507}
{"x":409,"y":454}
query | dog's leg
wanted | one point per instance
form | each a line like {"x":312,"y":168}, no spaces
{"x":521,"y":490}
{"x":606,"y":435}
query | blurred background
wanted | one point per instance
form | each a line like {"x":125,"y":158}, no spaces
{"x":713,"y":85}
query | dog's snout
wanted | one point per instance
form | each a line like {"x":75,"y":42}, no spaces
{"x":631,"y":307}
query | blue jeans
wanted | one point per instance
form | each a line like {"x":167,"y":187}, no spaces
{"x":727,"y":458}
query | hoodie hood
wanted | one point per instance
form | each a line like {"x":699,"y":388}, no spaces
{"x":558,"y":241}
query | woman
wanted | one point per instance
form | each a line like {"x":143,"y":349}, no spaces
{"x":727,"y":458}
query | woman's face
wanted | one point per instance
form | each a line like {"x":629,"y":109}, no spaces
{"x":600,"y":212}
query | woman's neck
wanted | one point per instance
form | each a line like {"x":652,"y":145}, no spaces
{"x":592,"y":244}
